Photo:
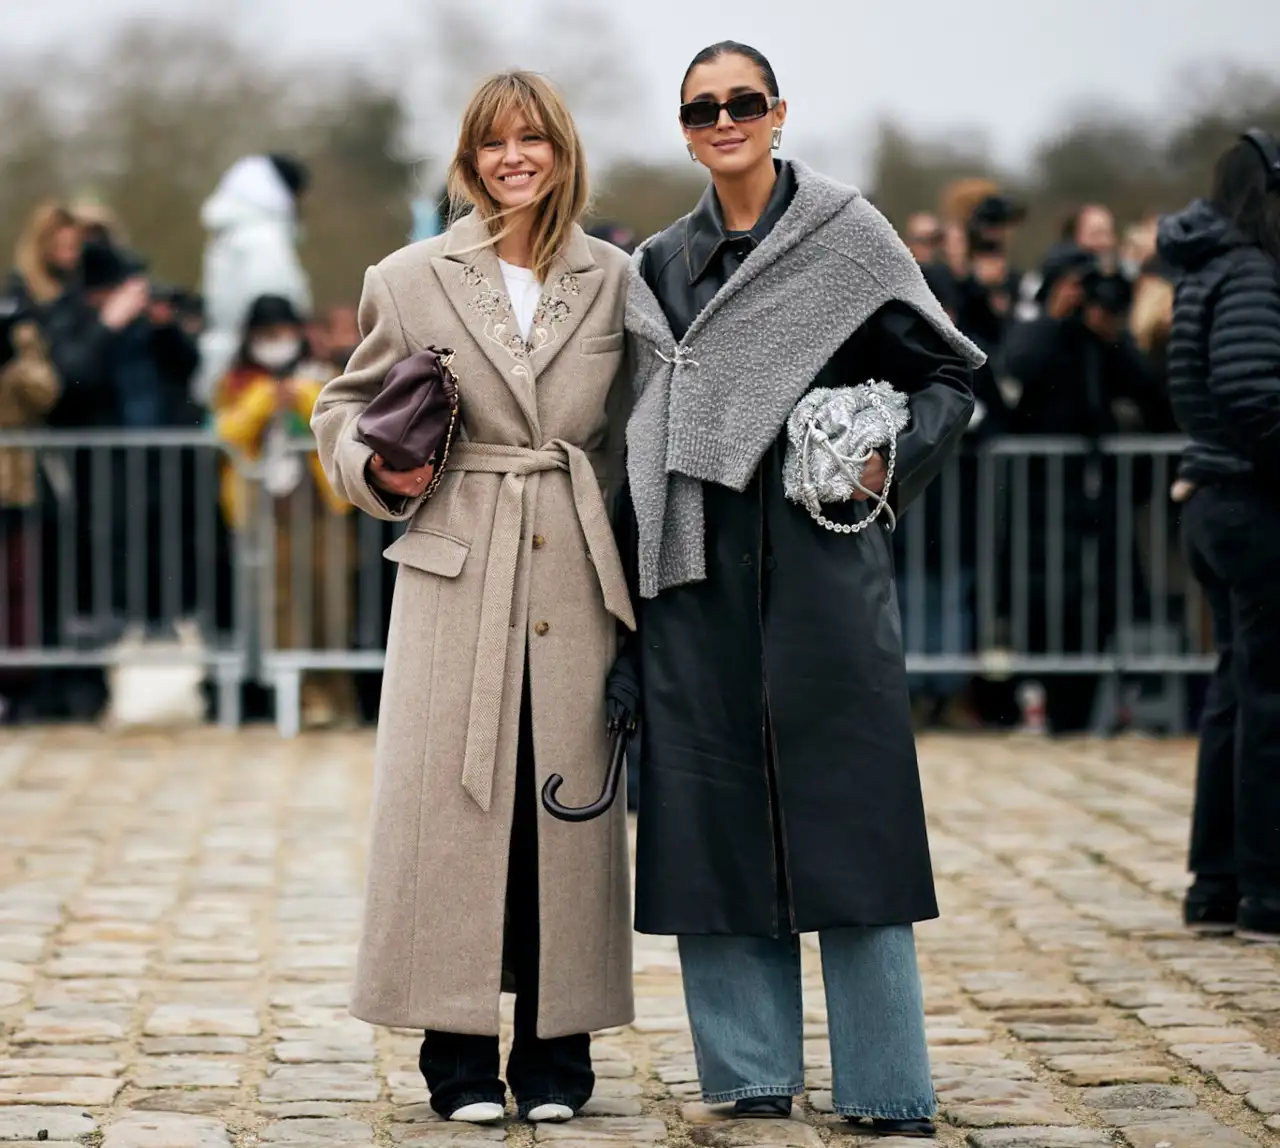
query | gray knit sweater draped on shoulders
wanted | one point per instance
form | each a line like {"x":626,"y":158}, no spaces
{"x":708,"y":408}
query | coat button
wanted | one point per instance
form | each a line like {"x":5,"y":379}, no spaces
{"x":539,"y":542}
{"x":541,"y":629}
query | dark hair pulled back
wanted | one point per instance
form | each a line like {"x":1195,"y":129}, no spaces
{"x":733,"y":48}
{"x":1242,"y":192}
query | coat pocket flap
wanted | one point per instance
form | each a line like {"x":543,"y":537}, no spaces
{"x":603,"y":344}
{"x":429,"y":552}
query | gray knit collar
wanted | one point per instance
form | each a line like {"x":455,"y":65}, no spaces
{"x":817,"y":198}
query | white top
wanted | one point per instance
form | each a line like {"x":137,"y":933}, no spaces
{"x":524,"y":291}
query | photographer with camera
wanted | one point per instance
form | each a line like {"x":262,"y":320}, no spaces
{"x":125,"y":364}
{"x":980,"y":293}
{"x":1077,"y":360}
{"x":125,"y":360}
{"x":1078,"y":367}
{"x":988,"y":295}
{"x":1092,"y":227}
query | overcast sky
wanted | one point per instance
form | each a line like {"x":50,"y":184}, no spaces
{"x":1012,"y":68}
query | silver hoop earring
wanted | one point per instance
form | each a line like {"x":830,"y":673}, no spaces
{"x":777,"y":138}
{"x":692,"y":154}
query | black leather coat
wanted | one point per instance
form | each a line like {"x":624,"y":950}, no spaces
{"x":779,"y":790}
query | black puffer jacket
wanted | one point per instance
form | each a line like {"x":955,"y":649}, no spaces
{"x":1224,"y":348}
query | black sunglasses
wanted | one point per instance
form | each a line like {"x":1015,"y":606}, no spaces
{"x":742,"y":109}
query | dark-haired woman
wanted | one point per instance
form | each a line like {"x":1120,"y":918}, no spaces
{"x":779,"y":787}
{"x":1224,"y":381}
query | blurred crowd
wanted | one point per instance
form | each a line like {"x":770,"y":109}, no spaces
{"x":1075,"y":347}
{"x":91,"y":341}
{"x":1096,"y":312}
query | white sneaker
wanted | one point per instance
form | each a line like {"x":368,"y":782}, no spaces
{"x":484,"y":1112}
{"x":550,"y":1114}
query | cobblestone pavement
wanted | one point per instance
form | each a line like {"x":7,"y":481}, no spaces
{"x":178,"y":916}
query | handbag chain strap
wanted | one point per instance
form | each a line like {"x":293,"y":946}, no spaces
{"x":445,"y":360}
{"x":882,"y":499}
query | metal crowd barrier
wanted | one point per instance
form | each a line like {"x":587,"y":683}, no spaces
{"x":324,"y":601}
{"x":107,"y":535}
{"x":1032,"y":556}
{"x":1028,"y":556}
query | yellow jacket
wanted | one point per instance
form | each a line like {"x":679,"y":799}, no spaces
{"x":244,"y":405}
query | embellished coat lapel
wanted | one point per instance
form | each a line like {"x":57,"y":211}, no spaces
{"x":472,"y":280}
{"x":571,"y":287}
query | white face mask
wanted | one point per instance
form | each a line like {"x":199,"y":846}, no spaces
{"x":275,"y":353}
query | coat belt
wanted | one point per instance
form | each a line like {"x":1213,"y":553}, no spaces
{"x":515,"y":464}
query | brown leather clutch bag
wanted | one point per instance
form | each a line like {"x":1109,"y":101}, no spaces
{"x":412,"y":420}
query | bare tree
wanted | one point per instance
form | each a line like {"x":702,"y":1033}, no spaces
{"x":30,"y":169}
{"x":358,"y":211}
{"x":177,"y":103}
{"x":582,"y":48}
{"x":169,"y":106}
{"x":647,"y":197}
{"x":1227,"y":102}
{"x":578,"y":45}
{"x":909,"y":173}
{"x":162,"y":109}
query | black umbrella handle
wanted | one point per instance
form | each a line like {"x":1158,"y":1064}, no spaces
{"x":602,"y":803}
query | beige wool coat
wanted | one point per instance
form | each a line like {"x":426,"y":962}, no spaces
{"x":510,"y":562}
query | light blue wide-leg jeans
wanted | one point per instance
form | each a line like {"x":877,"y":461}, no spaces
{"x":745,"y":1008}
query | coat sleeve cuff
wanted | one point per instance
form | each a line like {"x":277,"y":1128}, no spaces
{"x":335,"y":419}
{"x":353,"y":461}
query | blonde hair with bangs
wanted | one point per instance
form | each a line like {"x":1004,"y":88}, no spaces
{"x":563,"y":198}
{"x":33,"y":246}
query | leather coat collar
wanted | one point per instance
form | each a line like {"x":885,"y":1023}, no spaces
{"x":704,"y":232}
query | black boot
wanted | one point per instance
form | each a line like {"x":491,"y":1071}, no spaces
{"x":771,"y":1107}
{"x":1210,"y":905}
{"x":918,"y":1129}
{"x":1259,"y":920}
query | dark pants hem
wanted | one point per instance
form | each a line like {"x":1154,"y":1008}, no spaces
{"x":462,"y":1069}
{"x":1233,"y":547}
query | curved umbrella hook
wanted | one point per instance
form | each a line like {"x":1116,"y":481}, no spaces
{"x":621,"y":736}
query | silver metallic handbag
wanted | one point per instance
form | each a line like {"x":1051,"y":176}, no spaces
{"x":831,"y":435}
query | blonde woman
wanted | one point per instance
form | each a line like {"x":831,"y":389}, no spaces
{"x":508,"y":600}
{"x":47,"y":255}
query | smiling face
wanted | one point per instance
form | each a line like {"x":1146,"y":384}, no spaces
{"x":514,"y":161}
{"x":728,"y":148}
{"x":520,"y":164}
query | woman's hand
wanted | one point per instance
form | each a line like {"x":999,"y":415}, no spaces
{"x":1065,"y":297}
{"x":405,"y":483}
{"x":873,"y":476}
{"x":125,"y":304}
